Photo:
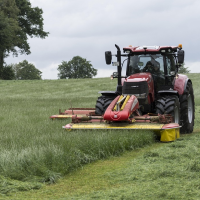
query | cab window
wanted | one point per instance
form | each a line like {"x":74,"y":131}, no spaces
{"x":170,"y":63}
{"x":146,"y":63}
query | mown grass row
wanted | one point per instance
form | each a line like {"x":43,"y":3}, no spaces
{"x":35,"y":149}
{"x":171,"y":171}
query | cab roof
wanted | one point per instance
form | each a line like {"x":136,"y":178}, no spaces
{"x":150,"y":49}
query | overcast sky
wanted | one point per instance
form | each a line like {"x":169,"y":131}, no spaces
{"x":88,"y":28}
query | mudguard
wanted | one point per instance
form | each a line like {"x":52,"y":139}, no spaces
{"x":108,"y":93}
{"x":174,"y":92}
{"x":181,"y":83}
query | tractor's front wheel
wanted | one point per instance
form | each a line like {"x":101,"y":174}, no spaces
{"x":102,"y":103}
{"x":169,"y":105}
{"x":187,"y":109}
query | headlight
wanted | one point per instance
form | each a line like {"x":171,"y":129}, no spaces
{"x":141,"y":96}
{"x":172,"y":73}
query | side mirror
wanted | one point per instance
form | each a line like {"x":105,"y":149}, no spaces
{"x":115,"y":74}
{"x":181,"y":56}
{"x":108,"y":56}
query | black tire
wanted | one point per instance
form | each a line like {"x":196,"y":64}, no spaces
{"x":102,"y":103}
{"x":169,"y":105}
{"x":187,"y":109}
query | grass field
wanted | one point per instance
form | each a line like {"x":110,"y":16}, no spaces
{"x":35,"y":149}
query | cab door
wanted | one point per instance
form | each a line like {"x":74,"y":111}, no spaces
{"x":170,"y":68}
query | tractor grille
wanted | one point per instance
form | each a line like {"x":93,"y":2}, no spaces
{"x":135,"y":88}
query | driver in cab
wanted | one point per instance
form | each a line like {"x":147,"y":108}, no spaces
{"x":152,"y":68}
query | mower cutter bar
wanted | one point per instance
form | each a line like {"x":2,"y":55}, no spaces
{"x":63,"y":116}
{"x":167,"y":132}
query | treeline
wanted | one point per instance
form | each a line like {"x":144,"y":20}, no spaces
{"x":21,"y":71}
{"x":76,"y":68}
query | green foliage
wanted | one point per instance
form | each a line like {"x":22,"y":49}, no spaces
{"x":9,"y":29}
{"x":26,"y":71}
{"x":8,"y":73}
{"x":183,"y":70}
{"x":30,"y":20}
{"x":8,"y":25}
{"x":76,"y":68}
{"x":18,"y":20}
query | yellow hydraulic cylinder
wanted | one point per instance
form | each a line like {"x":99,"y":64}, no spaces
{"x":120,"y":98}
{"x":125,"y":101}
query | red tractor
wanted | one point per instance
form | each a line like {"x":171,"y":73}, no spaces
{"x":152,"y":76}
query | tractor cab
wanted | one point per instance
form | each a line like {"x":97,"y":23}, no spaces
{"x":161,"y":67}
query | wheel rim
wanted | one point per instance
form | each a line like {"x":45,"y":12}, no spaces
{"x":190,"y":109}
{"x":176,"y":115}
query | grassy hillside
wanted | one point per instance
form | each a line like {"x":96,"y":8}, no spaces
{"x":35,"y":149}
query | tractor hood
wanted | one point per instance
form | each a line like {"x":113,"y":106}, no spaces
{"x":139,"y":77}
{"x":139,"y":84}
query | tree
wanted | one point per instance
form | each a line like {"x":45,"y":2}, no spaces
{"x":18,"y":20}
{"x":8,"y":73}
{"x":8,"y":29}
{"x":183,"y":69}
{"x":26,"y":71}
{"x":76,"y":68}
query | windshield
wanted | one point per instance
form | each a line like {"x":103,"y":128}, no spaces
{"x":146,"y":63}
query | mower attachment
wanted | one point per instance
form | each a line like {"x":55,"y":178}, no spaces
{"x":122,"y":113}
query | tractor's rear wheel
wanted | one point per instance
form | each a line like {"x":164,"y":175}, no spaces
{"x":187,"y":109}
{"x":102,"y":103}
{"x":169,"y":105}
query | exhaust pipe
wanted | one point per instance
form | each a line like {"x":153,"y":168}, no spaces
{"x":119,"y":69}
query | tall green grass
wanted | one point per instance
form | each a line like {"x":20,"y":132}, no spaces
{"x":35,"y":149}
{"x":47,"y":157}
